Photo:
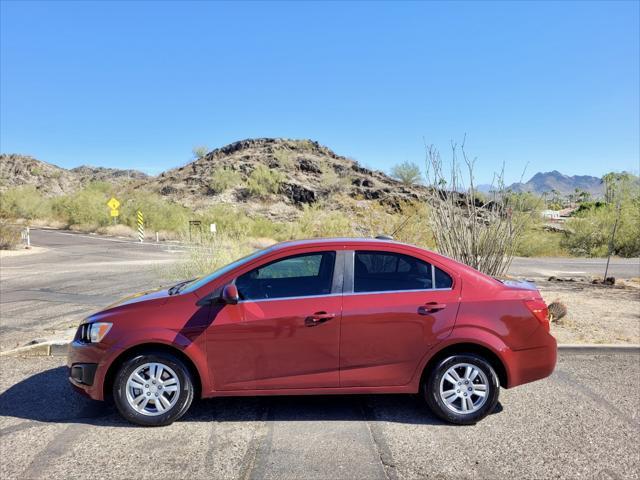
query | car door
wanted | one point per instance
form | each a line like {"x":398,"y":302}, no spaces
{"x":284,"y":332}
{"x":395,"y":307}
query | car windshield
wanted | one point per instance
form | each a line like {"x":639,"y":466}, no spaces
{"x":199,"y":282}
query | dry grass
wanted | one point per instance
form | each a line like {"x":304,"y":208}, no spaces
{"x":118,"y":231}
{"x":10,"y":236}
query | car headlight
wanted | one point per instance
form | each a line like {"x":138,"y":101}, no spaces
{"x":94,"y":332}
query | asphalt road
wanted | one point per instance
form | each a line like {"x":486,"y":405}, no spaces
{"x":621,"y":268}
{"x":44,"y":294}
{"x":582,"y":422}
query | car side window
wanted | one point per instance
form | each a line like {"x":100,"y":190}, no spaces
{"x":376,"y":271}
{"x":296,"y":276}
{"x":443,"y":279}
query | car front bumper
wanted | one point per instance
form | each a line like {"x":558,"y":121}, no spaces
{"x":87,"y":369}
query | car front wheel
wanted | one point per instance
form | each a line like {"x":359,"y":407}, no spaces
{"x":462,"y":389}
{"x":153,"y":389}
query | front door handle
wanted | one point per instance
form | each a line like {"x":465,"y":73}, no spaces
{"x":431,"y":307}
{"x":318,"y":318}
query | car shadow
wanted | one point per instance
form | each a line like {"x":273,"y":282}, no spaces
{"x":48,"y":397}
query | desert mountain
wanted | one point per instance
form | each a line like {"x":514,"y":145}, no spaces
{"x":549,"y":181}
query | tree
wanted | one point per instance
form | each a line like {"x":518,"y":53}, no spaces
{"x":407,"y":172}
{"x":614,"y":182}
{"x":199,"y":152}
{"x":484,"y":235}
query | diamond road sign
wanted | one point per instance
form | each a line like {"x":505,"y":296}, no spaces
{"x":113,"y":204}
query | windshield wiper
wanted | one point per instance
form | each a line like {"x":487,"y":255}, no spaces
{"x":179,"y":286}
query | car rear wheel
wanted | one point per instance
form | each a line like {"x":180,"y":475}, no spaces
{"x":153,"y":389}
{"x":462,"y":389}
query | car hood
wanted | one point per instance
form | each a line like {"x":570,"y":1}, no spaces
{"x":160,"y":293}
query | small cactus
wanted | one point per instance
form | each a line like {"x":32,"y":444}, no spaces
{"x":557,"y":310}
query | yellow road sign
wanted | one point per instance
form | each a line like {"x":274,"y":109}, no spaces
{"x":114,"y":212}
{"x":113,"y":204}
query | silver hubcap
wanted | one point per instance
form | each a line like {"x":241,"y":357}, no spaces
{"x":153,"y":389}
{"x":464,"y":388}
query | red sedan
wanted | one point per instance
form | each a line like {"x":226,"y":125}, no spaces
{"x":327,"y":316}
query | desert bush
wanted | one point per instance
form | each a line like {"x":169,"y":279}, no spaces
{"x":264,"y":181}
{"x":223,"y":179}
{"x":199,"y":152}
{"x":24,"y":202}
{"x":316,"y":221}
{"x":284,"y":158}
{"x":331,"y":182}
{"x":85,"y":207}
{"x":10,"y":237}
{"x":481,"y":235}
{"x":408,"y":223}
{"x":217,"y":252}
{"x":590,"y":230}
{"x":407,"y":172}
{"x":159,"y":213}
{"x":536,"y":242}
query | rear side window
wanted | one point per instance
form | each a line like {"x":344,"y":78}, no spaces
{"x":443,"y":280}
{"x":296,"y":276}
{"x":376,"y":271}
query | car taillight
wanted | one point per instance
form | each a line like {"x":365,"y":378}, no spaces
{"x":539,"y":310}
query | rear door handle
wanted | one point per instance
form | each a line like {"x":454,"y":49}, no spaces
{"x":431,"y":307}
{"x":318,"y":318}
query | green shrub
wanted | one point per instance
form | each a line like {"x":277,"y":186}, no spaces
{"x":590,"y":230}
{"x":407,"y":172}
{"x":536,"y":242}
{"x":159,"y":213}
{"x":86,"y":207}
{"x":264,"y":181}
{"x":223,"y":179}
{"x":24,"y":202}
{"x":316,"y":221}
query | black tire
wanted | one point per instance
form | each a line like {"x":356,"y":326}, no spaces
{"x":177,"y":410}
{"x":431,"y":389}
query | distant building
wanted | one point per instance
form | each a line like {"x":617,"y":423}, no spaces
{"x":551,"y":214}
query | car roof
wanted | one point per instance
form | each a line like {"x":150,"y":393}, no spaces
{"x":311,"y":242}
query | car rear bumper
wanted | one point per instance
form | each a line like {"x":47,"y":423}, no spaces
{"x":532,"y":364}
{"x":86,"y":370}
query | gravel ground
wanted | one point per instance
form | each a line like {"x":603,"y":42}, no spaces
{"x":595,"y":314}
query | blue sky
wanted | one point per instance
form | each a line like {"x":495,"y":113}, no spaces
{"x":137,"y":85}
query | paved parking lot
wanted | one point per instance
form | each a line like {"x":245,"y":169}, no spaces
{"x":583,"y":422}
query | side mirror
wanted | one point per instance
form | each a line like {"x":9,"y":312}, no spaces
{"x":230,"y":295}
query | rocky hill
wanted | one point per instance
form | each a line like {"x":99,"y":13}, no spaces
{"x":87,"y":173}
{"x":564,"y":184}
{"x":306,"y":173}
{"x":309,"y":172}
{"x":18,"y":170}
{"x":51,"y":180}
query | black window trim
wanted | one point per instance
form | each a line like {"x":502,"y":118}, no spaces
{"x":348,"y":288}
{"x":336,"y":282}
